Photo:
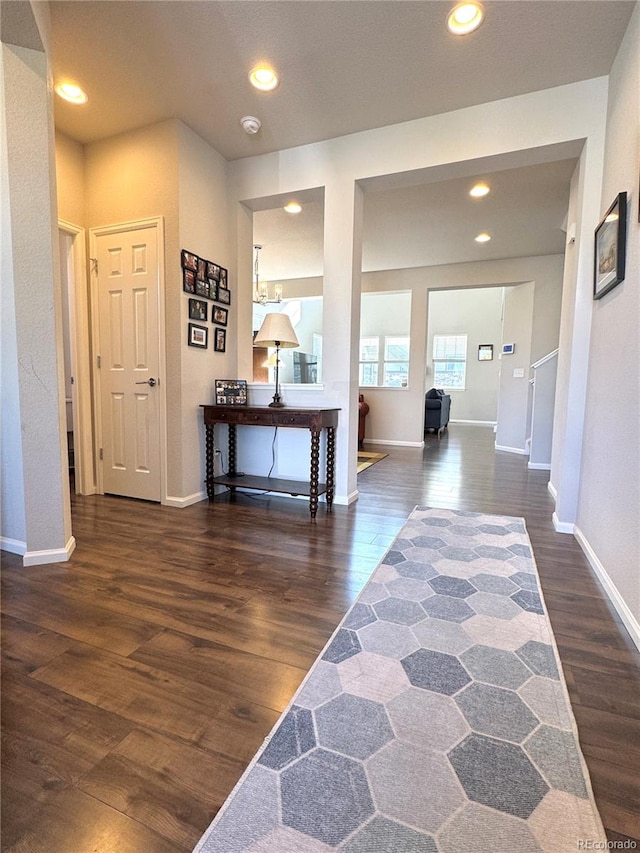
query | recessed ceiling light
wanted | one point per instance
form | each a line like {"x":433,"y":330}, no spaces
{"x":483,"y":238}
{"x":465,"y":18}
{"x":479,"y":190}
{"x":293,"y":207}
{"x":263,"y":78}
{"x":72,"y":93}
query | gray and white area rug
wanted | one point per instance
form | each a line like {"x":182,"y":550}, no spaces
{"x":436,"y":719}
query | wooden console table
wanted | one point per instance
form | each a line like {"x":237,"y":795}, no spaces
{"x":314,"y":420}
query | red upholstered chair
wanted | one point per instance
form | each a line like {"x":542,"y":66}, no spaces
{"x":363,"y":410}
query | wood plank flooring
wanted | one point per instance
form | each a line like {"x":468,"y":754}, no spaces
{"x":139,"y":678}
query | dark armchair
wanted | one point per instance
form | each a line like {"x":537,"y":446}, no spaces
{"x":437,"y":406}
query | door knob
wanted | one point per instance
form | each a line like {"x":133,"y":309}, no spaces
{"x":151,"y":382}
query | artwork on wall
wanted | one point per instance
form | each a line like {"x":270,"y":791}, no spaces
{"x":610,"y":248}
{"x":205,"y":280}
{"x":231,"y":392}
{"x":198,"y":310}
{"x":485,"y":352}
{"x":198,"y":336}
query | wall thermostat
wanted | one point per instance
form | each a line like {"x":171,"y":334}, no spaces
{"x":508,"y":349}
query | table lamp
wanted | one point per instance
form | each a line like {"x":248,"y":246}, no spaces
{"x":276,"y":331}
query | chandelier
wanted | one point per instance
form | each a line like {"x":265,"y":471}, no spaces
{"x":261,"y":289}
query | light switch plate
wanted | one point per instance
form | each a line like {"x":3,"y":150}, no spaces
{"x":518,"y":373}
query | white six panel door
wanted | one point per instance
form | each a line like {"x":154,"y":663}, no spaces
{"x":128,"y":294}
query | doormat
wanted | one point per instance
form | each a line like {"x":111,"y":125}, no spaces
{"x":366,"y":460}
{"x":436,"y":719}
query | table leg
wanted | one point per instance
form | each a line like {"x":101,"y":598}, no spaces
{"x":232,"y":455}
{"x":315,"y":469}
{"x":209,"y":460}
{"x":331,"y":464}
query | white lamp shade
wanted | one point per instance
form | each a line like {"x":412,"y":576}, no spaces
{"x":276,"y":330}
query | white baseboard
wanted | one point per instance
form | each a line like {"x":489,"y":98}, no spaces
{"x":629,"y":620}
{"x":520,"y":450}
{"x":562,"y":526}
{"x":394,"y":443}
{"x":13,"y":546}
{"x":539,"y":466}
{"x":552,"y":491}
{"x":474,"y":423}
{"x":55,"y":555}
{"x":181,"y":503}
{"x":346,"y":500}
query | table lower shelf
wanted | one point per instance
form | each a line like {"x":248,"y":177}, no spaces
{"x":268,"y":484}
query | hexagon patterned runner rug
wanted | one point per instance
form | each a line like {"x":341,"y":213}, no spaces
{"x":436,"y":719}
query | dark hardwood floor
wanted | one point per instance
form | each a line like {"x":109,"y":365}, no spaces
{"x":139,"y":678}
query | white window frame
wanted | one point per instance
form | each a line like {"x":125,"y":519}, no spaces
{"x":381,"y":361}
{"x":450,"y":349}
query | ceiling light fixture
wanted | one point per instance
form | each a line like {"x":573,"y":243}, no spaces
{"x":483,"y":238}
{"x":465,"y":18}
{"x":293,"y":207}
{"x":479,"y":190}
{"x":72,"y":93}
{"x":263,"y":78}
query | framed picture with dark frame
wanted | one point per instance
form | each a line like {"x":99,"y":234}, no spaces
{"x":219,"y":315}
{"x":223,"y":277}
{"x":202,"y":268}
{"x":198,"y":336}
{"x":485,"y":352}
{"x":202,"y":288}
{"x":213,"y":270}
{"x":198,"y":310}
{"x":188,"y":281}
{"x":224,"y":295}
{"x":610,"y":248}
{"x":189,"y":261}
{"x":213,"y":289}
{"x":231,"y":392}
{"x":219,"y":340}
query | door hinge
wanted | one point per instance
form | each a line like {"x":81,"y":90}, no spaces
{"x":99,"y":360}
{"x":101,"y":454}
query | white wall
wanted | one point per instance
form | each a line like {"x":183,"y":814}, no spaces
{"x":477,"y":313}
{"x":608,"y":519}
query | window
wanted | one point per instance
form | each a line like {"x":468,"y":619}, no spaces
{"x":449,"y":361}
{"x":396,"y":362}
{"x":369,"y":348}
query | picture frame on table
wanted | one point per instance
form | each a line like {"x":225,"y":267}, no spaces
{"x":202,"y":287}
{"x":224,"y":295}
{"x":231,"y":392}
{"x":198,"y":310}
{"x":198,"y":336}
{"x":219,"y":340}
{"x":610,"y":248}
{"x":189,"y":261}
{"x":188,"y":281}
{"x":219,"y":315}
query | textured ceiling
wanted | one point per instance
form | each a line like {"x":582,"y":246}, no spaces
{"x":345,"y":66}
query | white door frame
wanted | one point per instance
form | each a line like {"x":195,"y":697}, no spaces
{"x":80,"y":361}
{"x":94,"y":233}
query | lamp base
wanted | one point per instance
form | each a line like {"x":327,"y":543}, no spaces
{"x":277,"y":403}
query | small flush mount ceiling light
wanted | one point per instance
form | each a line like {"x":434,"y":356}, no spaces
{"x":479,"y":190}
{"x":263,"y":78}
{"x":250,"y":124}
{"x":465,"y":18}
{"x":72,"y":93}
{"x":293,"y":207}
{"x":483,"y":238}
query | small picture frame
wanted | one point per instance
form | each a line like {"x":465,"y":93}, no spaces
{"x":202,"y":287}
{"x":202,"y":268}
{"x":189,"y":261}
{"x":219,"y":315}
{"x":219,"y":340}
{"x":610,"y":248}
{"x":213,"y":289}
{"x":485,"y":352}
{"x":188,"y":281}
{"x":213,"y":270}
{"x":198,"y":336}
{"x":223,"y":277}
{"x":231,"y":392}
{"x":198,"y":310}
{"x":224,"y":295}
